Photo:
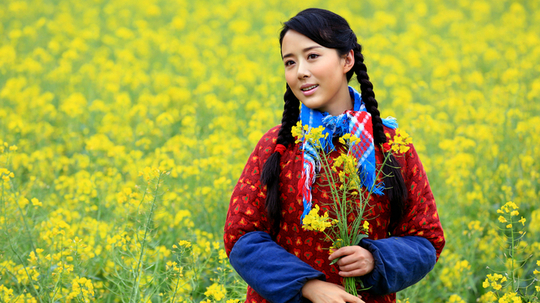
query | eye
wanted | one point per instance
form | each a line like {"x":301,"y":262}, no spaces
{"x":287,"y":63}
{"x":312,"y":56}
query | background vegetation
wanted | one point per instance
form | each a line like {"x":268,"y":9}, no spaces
{"x":124,"y":127}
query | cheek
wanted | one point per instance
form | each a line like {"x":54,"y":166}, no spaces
{"x":325,"y":70}
{"x":289,"y":77}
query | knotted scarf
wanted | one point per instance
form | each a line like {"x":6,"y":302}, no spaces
{"x":356,"y":122}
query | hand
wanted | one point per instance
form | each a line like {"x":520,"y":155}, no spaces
{"x":355,"y":261}
{"x":318,"y":291}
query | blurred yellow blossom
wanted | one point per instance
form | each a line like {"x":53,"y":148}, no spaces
{"x":216,"y":291}
{"x":400,"y":143}
{"x":36,"y":202}
{"x":157,"y":87}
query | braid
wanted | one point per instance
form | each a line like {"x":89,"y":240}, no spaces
{"x":271,"y":169}
{"x":368,"y":96}
{"x":291,"y":112}
{"x":395,"y":187}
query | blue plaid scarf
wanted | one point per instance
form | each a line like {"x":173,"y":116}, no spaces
{"x":357,"y":122}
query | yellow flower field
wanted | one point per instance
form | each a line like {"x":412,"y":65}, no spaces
{"x":124,"y":126}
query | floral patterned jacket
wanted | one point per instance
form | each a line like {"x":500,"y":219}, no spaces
{"x":276,"y":271}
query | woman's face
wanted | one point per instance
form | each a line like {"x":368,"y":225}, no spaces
{"x":316,"y":75}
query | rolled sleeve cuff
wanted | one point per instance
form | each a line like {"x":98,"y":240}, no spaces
{"x":399,"y":263}
{"x":273,"y":272}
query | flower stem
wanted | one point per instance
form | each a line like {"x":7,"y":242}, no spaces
{"x":143,"y":244}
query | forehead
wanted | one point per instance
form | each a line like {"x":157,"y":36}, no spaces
{"x":294,"y":43}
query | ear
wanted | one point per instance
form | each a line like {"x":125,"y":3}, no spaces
{"x":349,"y":61}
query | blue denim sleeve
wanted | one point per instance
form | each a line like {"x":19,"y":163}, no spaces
{"x":273,"y":272}
{"x":399,"y":262}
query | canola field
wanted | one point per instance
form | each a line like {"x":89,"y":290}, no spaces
{"x":124,"y":126}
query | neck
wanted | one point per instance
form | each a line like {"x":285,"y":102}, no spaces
{"x":344,"y":102}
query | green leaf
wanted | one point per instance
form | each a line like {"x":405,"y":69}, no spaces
{"x":334,"y":261}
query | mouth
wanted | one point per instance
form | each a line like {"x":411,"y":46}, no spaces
{"x":309,"y":88}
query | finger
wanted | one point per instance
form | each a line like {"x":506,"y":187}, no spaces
{"x":347,"y":250}
{"x":352,"y":299}
{"x":352,"y":273}
{"x":350,"y":267}
{"x":346,"y":260}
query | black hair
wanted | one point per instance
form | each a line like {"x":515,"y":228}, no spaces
{"x":331,"y":31}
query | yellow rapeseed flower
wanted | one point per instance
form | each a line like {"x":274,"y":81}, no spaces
{"x":217,"y":291}
{"x":348,"y":139}
{"x":455,"y":299}
{"x":337,"y":244}
{"x":510,"y":297}
{"x":400,"y":143}
{"x":297,"y":132}
{"x":36,"y":202}
{"x":314,"y":222}
{"x":314,"y":134}
{"x":365,"y":226}
{"x":509,"y":207}
{"x":184,"y":243}
{"x":488,"y":297}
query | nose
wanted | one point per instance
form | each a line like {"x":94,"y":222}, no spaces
{"x":303,"y":70}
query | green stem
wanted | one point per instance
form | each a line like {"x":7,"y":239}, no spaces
{"x":25,"y":270}
{"x":341,"y":216}
{"x":139,"y":262}
{"x":329,"y":174}
{"x":512,"y":251}
{"x":176,"y":288}
{"x":350,"y":285}
{"x":27,"y":229}
{"x":4,"y":211}
{"x":341,"y":209}
{"x":56,"y":288}
{"x":386,"y":156}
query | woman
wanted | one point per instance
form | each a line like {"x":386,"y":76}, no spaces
{"x":264,"y":238}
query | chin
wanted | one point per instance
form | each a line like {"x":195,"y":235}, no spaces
{"x":314,"y":105}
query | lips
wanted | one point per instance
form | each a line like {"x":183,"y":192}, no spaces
{"x":308,"y":87}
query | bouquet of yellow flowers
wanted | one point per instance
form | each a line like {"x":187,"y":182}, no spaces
{"x":346,"y":224}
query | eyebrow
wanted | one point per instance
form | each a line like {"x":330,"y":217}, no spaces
{"x":305,"y":50}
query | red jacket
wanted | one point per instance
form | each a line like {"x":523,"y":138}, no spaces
{"x":247,"y":210}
